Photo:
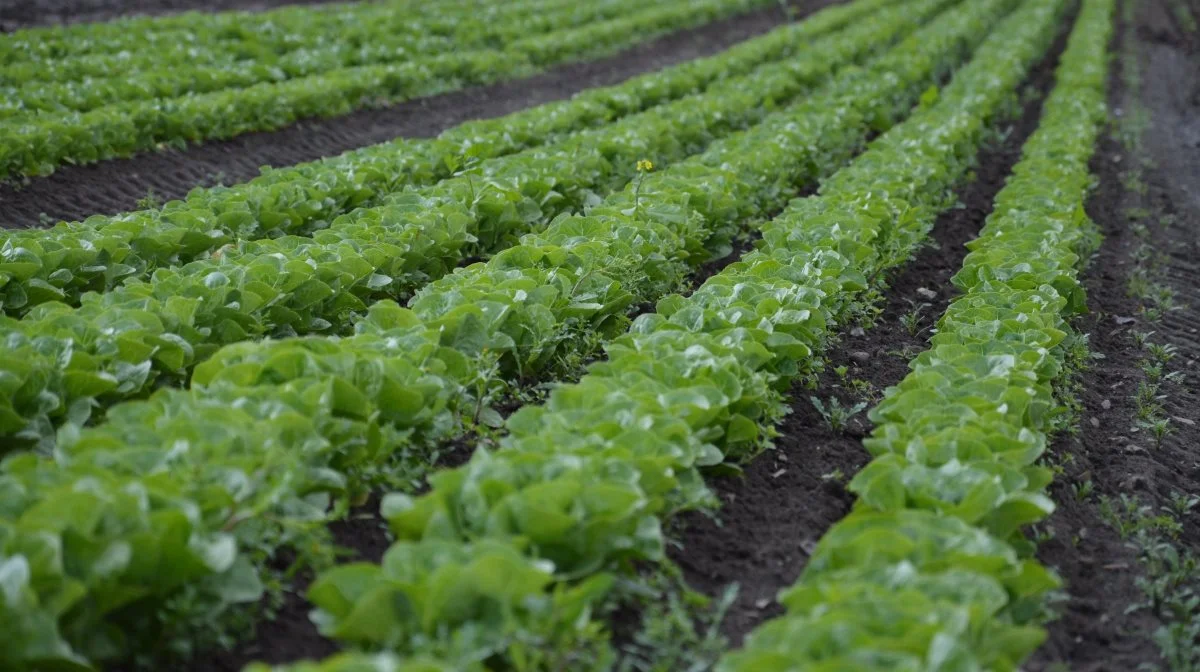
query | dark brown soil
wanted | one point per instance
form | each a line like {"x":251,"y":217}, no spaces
{"x":772,"y":516}
{"x":75,"y":192}
{"x":1095,"y":633}
{"x":16,"y":14}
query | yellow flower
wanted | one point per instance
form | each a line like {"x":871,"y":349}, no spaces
{"x":645,"y":166}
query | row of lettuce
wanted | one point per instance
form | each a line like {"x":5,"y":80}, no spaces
{"x":36,"y":145}
{"x":63,"y":361}
{"x":931,"y":570}
{"x":577,"y":491}
{"x":186,"y":69}
{"x":62,"y":263}
{"x":177,"y":494}
{"x":228,"y":37}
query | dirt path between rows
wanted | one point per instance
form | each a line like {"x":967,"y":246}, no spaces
{"x":108,"y":187}
{"x":772,"y":516}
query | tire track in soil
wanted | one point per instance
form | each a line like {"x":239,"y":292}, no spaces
{"x":17,"y":14}
{"x":774,"y":514}
{"x":109,"y":187}
{"x":1094,"y":633}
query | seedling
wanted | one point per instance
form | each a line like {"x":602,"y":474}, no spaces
{"x":150,"y":201}
{"x":1083,"y":490}
{"x":1140,"y":338}
{"x":912,"y":319}
{"x":835,"y":414}
{"x":1159,"y":428}
{"x":1162,"y":352}
{"x":1182,"y":504}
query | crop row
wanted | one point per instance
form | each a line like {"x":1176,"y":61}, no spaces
{"x":143,"y":333}
{"x":580,"y":485}
{"x":226,"y":37}
{"x":61,"y":263}
{"x":37,"y":145}
{"x":271,"y":430}
{"x":931,"y":570}
{"x":167,"y":75}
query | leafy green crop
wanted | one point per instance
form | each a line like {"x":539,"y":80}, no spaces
{"x":376,"y":34}
{"x":37,"y":145}
{"x":581,"y":483}
{"x":123,"y":342}
{"x":236,"y":35}
{"x":930,"y":570}
{"x":273,"y":431}
{"x":98,"y":254}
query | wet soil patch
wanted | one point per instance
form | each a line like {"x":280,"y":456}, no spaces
{"x":1100,"y":570}
{"x":773,"y":515}
{"x":75,"y":192}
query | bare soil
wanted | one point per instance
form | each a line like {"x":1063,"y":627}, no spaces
{"x":108,"y":187}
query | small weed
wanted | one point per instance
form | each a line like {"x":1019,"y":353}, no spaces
{"x":1041,"y":534}
{"x":1182,"y":504}
{"x":1136,"y":214}
{"x":150,"y":201}
{"x":679,"y":629}
{"x":1159,"y":428}
{"x":863,"y":389}
{"x":911,"y":321}
{"x":1083,"y":490}
{"x":1162,"y":352}
{"x":836,"y":415}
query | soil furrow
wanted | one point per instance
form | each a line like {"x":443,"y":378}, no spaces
{"x":773,"y":515}
{"x":1109,"y":459}
{"x":1092,"y":630}
{"x":108,"y":187}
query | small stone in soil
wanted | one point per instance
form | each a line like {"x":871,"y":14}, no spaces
{"x":1106,"y":404}
{"x":1134,"y":482}
{"x":1095,"y":422}
{"x":857,"y":332}
{"x":928,"y":294}
{"x":860,"y":357}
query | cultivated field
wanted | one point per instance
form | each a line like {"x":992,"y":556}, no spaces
{"x":734,"y":335}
